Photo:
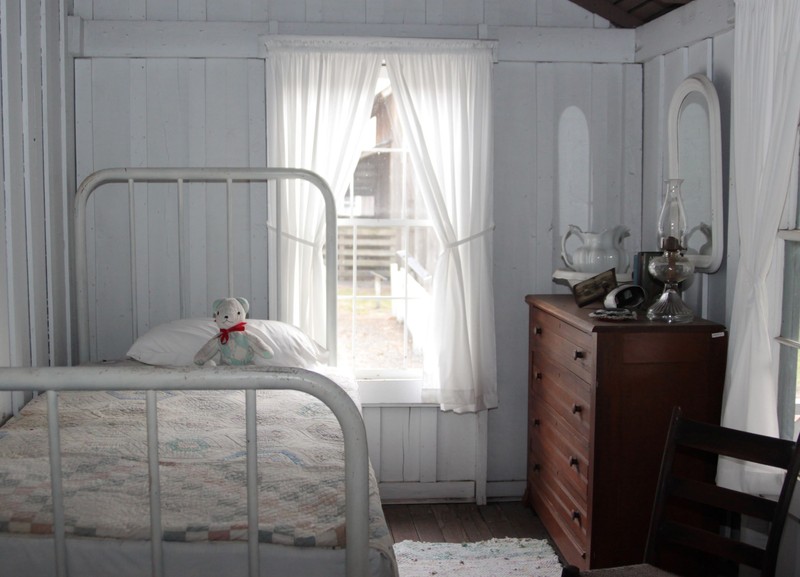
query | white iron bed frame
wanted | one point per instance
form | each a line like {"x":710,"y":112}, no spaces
{"x":52,"y":380}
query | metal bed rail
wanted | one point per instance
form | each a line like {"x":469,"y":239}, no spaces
{"x":54,"y":380}
{"x":179,"y":176}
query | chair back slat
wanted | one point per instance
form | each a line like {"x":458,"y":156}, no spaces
{"x":736,"y":444}
{"x":711,"y":543}
{"x":722,"y":498}
{"x":695,"y":515}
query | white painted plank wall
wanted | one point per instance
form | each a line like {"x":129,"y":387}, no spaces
{"x":392,"y":12}
{"x":529,"y":99}
{"x":170,"y":112}
{"x":33,"y":281}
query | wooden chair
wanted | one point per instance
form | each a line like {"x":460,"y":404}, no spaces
{"x":694,"y":526}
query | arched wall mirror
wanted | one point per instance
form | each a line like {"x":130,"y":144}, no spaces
{"x":695,"y":155}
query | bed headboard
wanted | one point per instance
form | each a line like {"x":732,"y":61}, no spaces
{"x":181,"y":181}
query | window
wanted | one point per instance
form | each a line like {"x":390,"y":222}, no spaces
{"x":387,"y":252}
{"x":789,"y":339}
{"x":321,"y":96}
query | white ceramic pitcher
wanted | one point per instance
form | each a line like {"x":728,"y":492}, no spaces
{"x":599,"y":251}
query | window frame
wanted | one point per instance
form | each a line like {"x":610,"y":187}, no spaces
{"x":789,"y":344}
{"x":404,"y":385}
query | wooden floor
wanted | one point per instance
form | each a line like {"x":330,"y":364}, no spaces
{"x":462,"y":522}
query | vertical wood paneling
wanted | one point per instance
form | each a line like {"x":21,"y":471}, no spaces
{"x":372,"y":424}
{"x":603,"y":121}
{"x":654,"y":146}
{"x":455,"y":458}
{"x":110,"y":269}
{"x":56,"y":195}
{"x":32,"y":297}
{"x":723,"y":282}
{"x":166,"y":146}
{"x":258,"y":287}
{"x":227,"y":140}
{"x":395,"y":12}
{"x":35,"y":222}
{"x":137,"y":120}
{"x":194,"y":73}
{"x":287,"y":10}
{"x":412,"y":447}
{"x":510,"y":12}
{"x":515,"y":256}
{"x":419,"y":446}
{"x":6,"y":408}
{"x":238,"y":11}
{"x":192,"y":10}
{"x":393,"y":432}
{"x":161,"y":9}
{"x":546,"y":207}
{"x":118,"y":9}
{"x":14,"y":184}
{"x":172,"y":112}
{"x":631,"y":165}
{"x":428,"y":443}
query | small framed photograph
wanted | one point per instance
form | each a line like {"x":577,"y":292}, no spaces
{"x":595,"y":288}
{"x":641,"y":276}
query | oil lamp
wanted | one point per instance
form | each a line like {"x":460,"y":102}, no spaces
{"x":672,"y":267}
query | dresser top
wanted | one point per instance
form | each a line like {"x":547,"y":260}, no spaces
{"x":564,"y":307}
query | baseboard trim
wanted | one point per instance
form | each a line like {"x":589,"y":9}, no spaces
{"x":436,"y":491}
{"x":505,"y":490}
{"x":415,"y":492}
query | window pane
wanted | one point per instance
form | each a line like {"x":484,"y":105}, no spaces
{"x":789,"y":386}
{"x":387,"y":252}
{"x":789,"y":393}
{"x":790,"y":327}
{"x":384,"y":295}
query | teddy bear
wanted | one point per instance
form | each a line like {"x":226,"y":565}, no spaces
{"x":233,"y":344}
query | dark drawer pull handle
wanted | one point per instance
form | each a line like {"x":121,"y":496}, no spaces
{"x":573,"y":462}
{"x":538,"y":376}
{"x":576,"y":515}
{"x":576,"y":408}
{"x":579,"y":355}
{"x":537,"y":467}
{"x":536,"y":422}
{"x":537,"y":330}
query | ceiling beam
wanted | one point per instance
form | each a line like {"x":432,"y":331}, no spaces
{"x":610,"y":12}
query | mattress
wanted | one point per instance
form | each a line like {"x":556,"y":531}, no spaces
{"x":202,"y":469}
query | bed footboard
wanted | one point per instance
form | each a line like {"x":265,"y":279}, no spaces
{"x":53,"y":380}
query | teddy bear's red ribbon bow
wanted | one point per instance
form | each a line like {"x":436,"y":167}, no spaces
{"x":223,"y":333}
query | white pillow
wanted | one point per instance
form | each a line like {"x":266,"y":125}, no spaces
{"x":175,"y":343}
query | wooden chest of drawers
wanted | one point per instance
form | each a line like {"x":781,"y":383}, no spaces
{"x":600,"y":396}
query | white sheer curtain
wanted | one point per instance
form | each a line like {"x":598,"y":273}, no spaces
{"x":444,"y":103}
{"x":319,"y":98}
{"x":766,"y":111}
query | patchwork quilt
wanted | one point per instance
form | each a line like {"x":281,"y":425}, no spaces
{"x":202,"y":458}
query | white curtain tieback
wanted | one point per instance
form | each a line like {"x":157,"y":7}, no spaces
{"x":284,"y":234}
{"x":484,"y":232}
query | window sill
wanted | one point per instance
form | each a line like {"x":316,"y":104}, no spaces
{"x":394,"y":393}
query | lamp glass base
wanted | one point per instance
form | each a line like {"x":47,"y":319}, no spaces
{"x":670,"y":308}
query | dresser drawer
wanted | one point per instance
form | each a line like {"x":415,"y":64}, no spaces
{"x":569,"y":346}
{"x":567,"y":394}
{"x":565,"y":519}
{"x":562,"y":455}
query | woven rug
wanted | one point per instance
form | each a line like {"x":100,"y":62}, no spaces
{"x":494,"y":558}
